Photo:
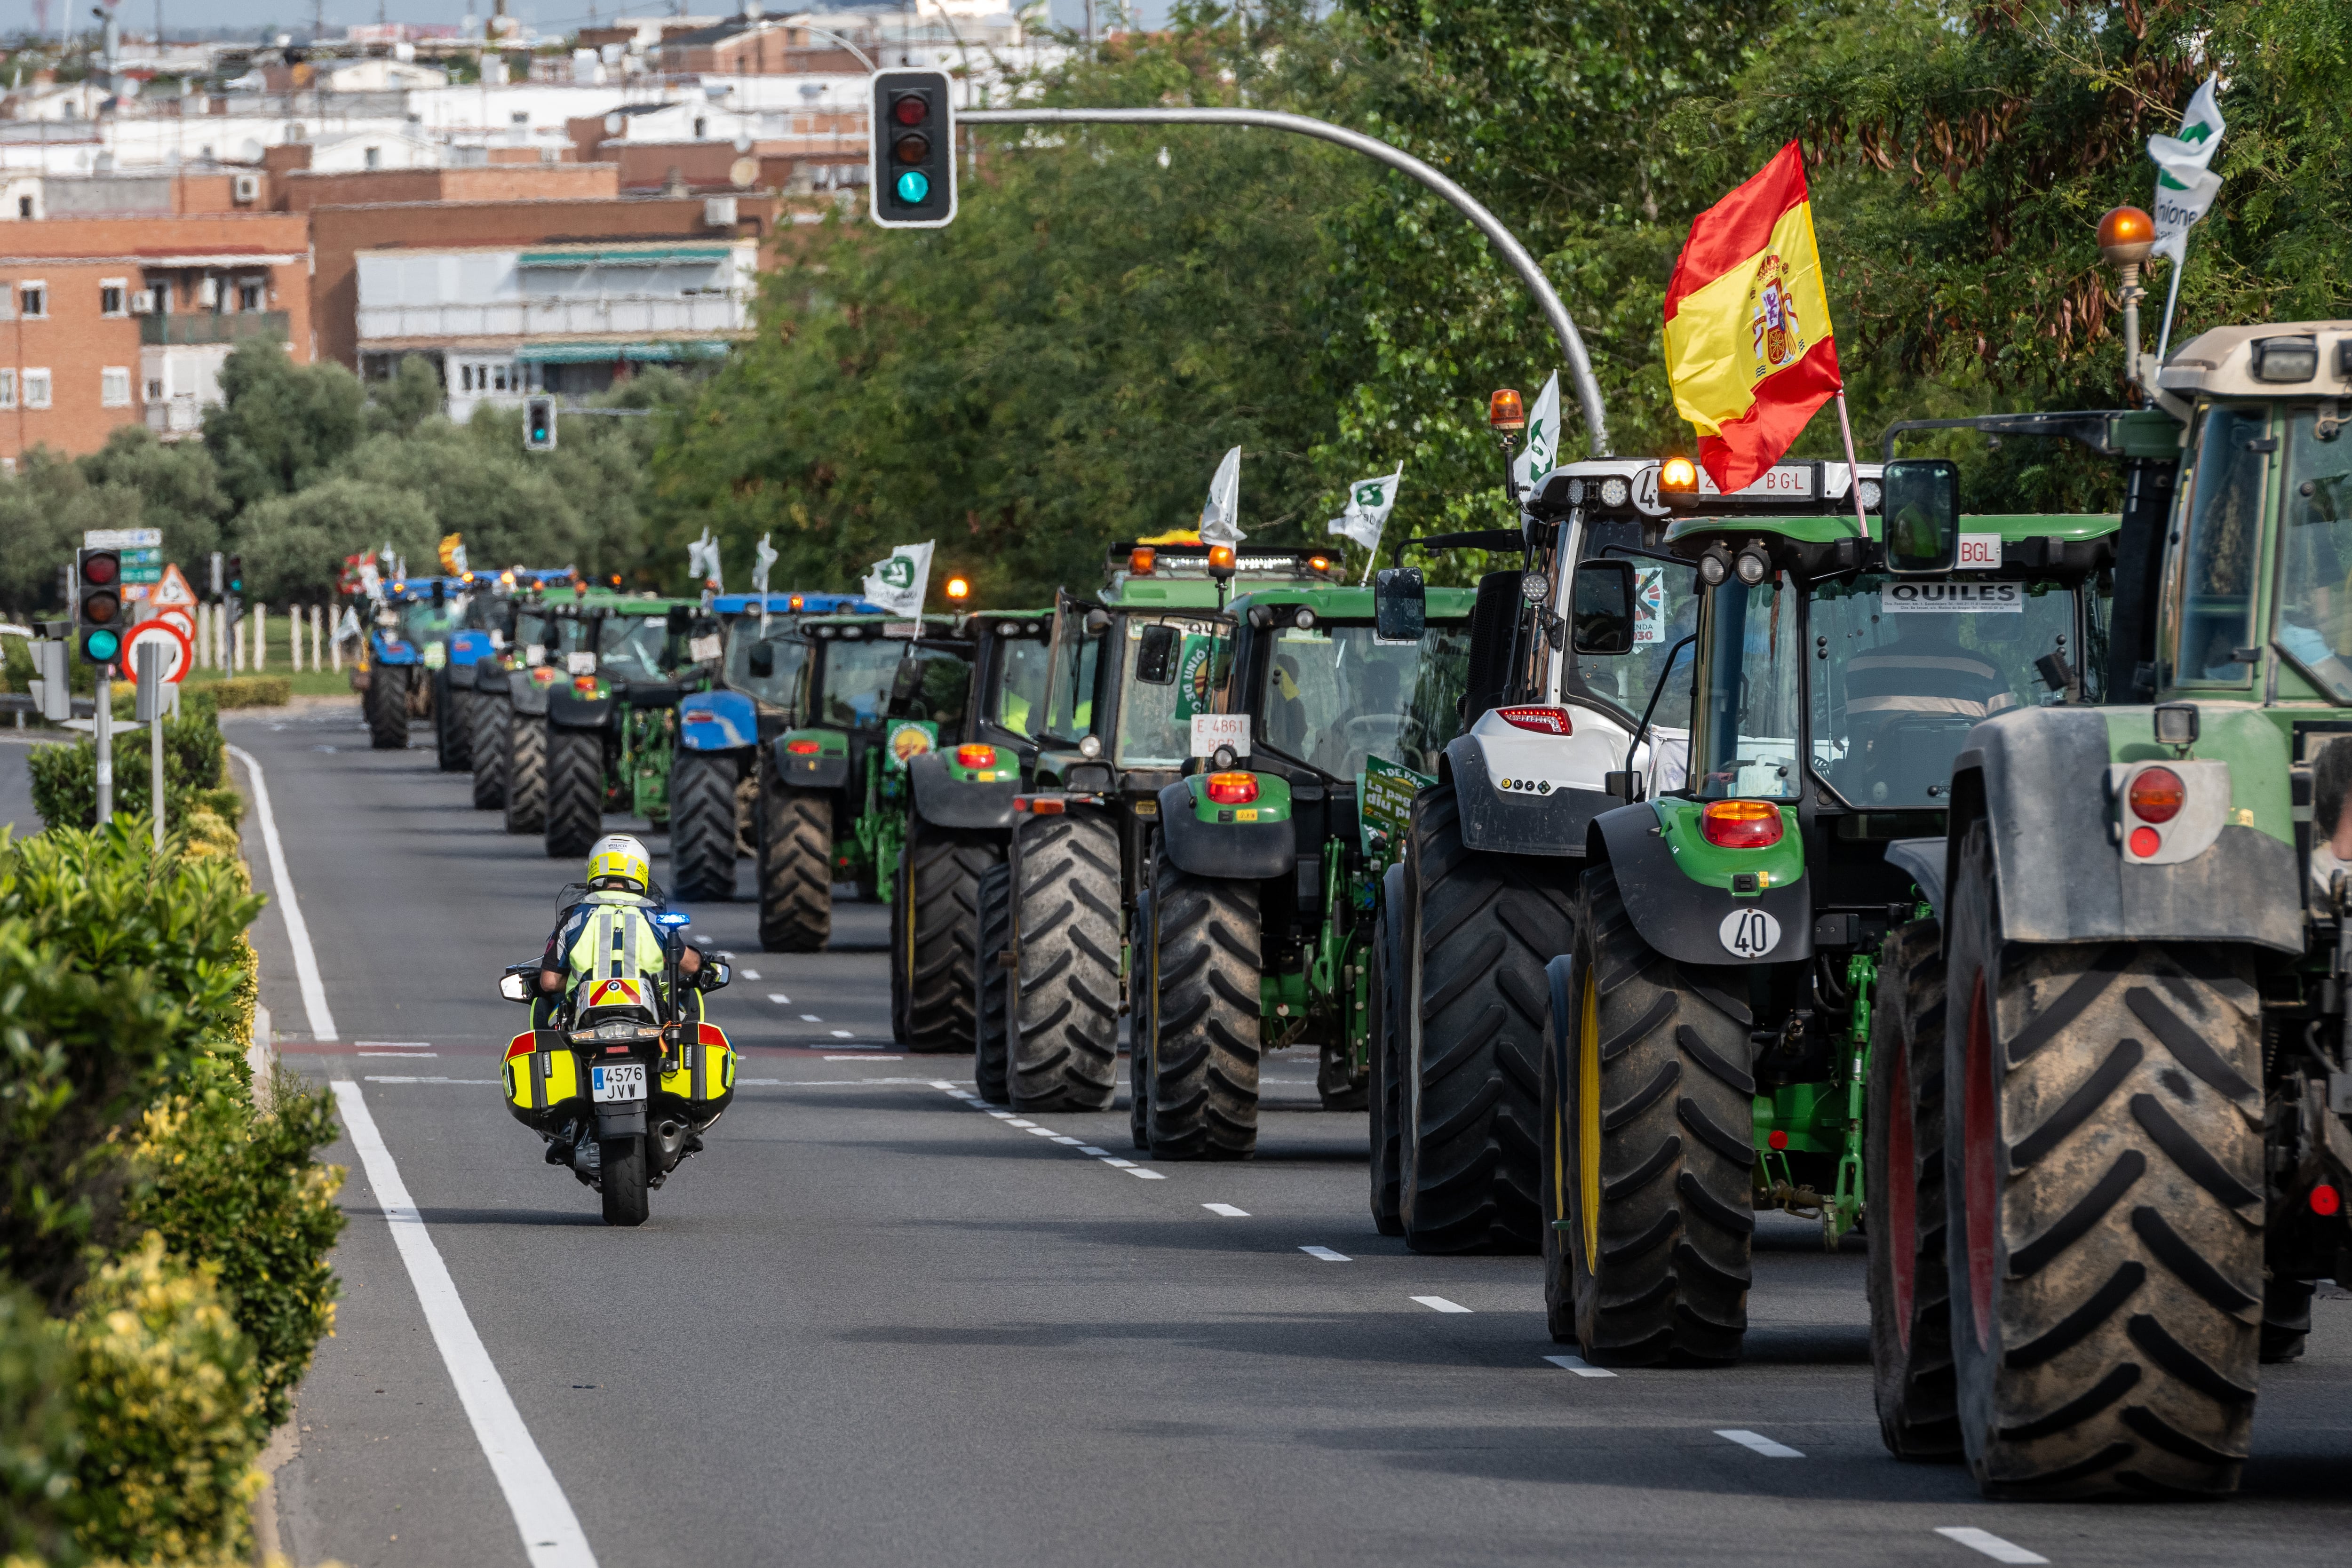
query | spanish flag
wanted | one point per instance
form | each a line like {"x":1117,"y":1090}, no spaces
{"x":1749,"y":350}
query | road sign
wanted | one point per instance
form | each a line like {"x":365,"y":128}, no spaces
{"x":123,"y":538}
{"x":143,"y":563}
{"x":181,"y":618}
{"x":179,"y":653}
{"x":172,"y":591}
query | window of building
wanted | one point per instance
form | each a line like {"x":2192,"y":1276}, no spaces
{"x":24,"y":206}
{"x":110,"y":293}
{"x":114,"y":386}
{"x":248,"y":294}
{"x":36,"y":389}
{"x":154,"y":389}
{"x":375,"y":157}
{"x":161,"y":288}
{"x":7,"y":389}
{"x":33,"y":299}
{"x":701,"y":126}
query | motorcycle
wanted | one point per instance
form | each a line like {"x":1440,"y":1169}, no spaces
{"x":620,"y":1089}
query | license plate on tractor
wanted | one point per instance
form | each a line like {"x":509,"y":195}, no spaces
{"x":622,"y":1080}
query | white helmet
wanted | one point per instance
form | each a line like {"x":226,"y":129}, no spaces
{"x":619,"y":861}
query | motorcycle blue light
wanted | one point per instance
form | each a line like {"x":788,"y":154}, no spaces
{"x":672,"y":919}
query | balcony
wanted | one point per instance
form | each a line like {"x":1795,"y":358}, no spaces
{"x":665,"y":315}
{"x":204,"y":327}
{"x":177,"y":418}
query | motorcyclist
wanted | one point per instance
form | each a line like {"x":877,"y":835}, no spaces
{"x":611,"y":934}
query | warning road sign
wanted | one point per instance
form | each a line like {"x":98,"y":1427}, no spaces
{"x":172,"y":590}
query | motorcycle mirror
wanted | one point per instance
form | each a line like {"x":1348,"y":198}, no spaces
{"x":514,"y":988}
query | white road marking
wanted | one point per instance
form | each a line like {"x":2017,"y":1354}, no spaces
{"x":297,"y":934}
{"x":394,"y":1045}
{"x":1991,"y":1545}
{"x":1758,"y":1442}
{"x":550,"y":1532}
{"x":1440,"y":1304}
{"x":779,"y":999}
{"x":865,"y":1058}
{"x":1117,"y":1163}
{"x":403,"y":1056}
{"x":843,"y":1035}
{"x":965,"y":1097}
{"x":1001,"y":1115}
{"x":1063,"y":1138}
{"x":1326,"y":1255}
{"x":749,"y":973}
{"x":1227,"y":1210}
{"x":1098,"y":1153}
{"x":1579,"y":1365}
{"x":1133,"y":1169}
{"x":1043,"y":1132}
{"x":811,"y":1018}
{"x":1016,"y":1122}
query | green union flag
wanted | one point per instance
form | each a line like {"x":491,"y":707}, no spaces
{"x":1370,"y":501}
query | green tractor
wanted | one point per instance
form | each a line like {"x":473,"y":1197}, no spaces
{"x":612,"y":726}
{"x":1270,"y":852}
{"x":1053,"y":922}
{"x":958,"y":817}
{"x":517,"y":621}
{"x":869,"y":695}
{"x":2112,"y":1176}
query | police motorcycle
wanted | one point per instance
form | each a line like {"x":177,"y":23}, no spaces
{"x":623,"y":1087}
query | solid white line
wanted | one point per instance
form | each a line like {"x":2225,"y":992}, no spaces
{"x":550,"y":1532}
{"x":1440,"y":1304}
{"x":1991,"y":1545}
{"x":1326,"y":1254}
{"x":1579,"y":1365}
{"x":1759,"y":1442}
{"x":297,"y":935}
{"x":397,"y":1045}
{"x":1227,"y":1210}
{"x":399,"y":1056}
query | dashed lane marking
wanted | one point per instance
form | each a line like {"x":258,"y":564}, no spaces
{"x":378,"y":1077}
{"x":779,"y":999}
{"x":811,"y":1018}
{"x":1227,"y":1210}
{"x":866,"y":1057}
{"x":749,"y":973}
{"x":843,"y":1035}
{"x":1579,"y":1365}
{"x":1991,"y":1545}
{"x":1098,"y":1153}
{"x":1326,"y":1255}
{"x":402,"y":1056}
{"x":1440,"y":1304}
{"x":1758,"y":1442}
{"x":966,"y":1098}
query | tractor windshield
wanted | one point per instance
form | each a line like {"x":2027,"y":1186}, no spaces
{"x":2315,"y":613}
{"x":629,"y":648}
{"x":790,"y":655}
{"x":426,"y":621}
{"x":1018,"y":703}
{"x":857,"y":677}
{"x":1334,"y":695}
{"x":1155,"y":721}
{"x":936,"y":691}
{"x":1070,"y":698}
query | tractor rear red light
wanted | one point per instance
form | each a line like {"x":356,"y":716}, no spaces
{"x":803,"y":748}
{"x":2156,"y":794}
{"x":585,"y":684}
{"x":2146,"y":841}
{"x":1740,"y":824}
{"x":1777,"y":1139}
{"x":2325,"y":1200}
{"x":1543,"y":721}
{"x":975,"y":756}
{"x":1233,"y":789}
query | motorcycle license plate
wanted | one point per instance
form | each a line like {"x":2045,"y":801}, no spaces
{"x":622,"y":1080}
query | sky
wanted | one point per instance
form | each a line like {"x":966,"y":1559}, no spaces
{"x":139,"y":15}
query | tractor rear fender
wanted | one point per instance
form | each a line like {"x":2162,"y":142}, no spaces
{"x":1525,"y":793}
{"x":570,"y":710}
{"x":2041,"y":777}
{"x":1693,"y":921}
{"x":490,"y":678}
{"x":825,"y":769}
{"x":529,"y":697}
{"x":944,"y":800}
{"x":716,"y":721}
{"x":1235,"y":849}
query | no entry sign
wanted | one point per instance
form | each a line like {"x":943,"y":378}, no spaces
{"x":178,"y":654}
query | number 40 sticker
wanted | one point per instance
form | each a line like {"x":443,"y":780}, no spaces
{"x":1750,"y":933}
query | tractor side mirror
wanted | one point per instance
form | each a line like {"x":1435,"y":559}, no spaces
{"x":1921,"y":508}
{"x":679,"y":620}
{"x":1155,"y":657}
{"x":1602,"y":606}
{"x":1098,"y":622}
{"x":763,"y":659}
{"x":1400,"y":604}
{"x":907,"y":681}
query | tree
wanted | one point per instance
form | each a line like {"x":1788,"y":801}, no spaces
{"x":179,"y":488}
{"x":279,"y":426}
{"x":294,"y":545}
{"x":414,"y":395}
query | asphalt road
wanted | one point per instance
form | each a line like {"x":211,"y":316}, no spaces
{"x":875,"y":1324}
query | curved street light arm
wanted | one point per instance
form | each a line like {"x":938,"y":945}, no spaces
{"x":1580,"y":364}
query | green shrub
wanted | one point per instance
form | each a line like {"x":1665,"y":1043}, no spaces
{"x":244,"y":1192}
{"x":250,"y":691}
{"x":65,"y":777}
{"x":39,"y":1444}
{"x":168,"y":1400}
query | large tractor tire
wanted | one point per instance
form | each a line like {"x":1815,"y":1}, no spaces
{"x":621,"y":1181}
{"x":453,"y":723}
{"x":989,"y":977}
{"x":702,"y":824}
{"x":1388,"y":1081}
{"x":1142,"y":1023}
{"x":1903,"y":1172}
{"x":575,"y":792}
{"x":796,"y":869}
{"x":526,"y":773}
{"x":1480,"y":929}
{"x":493,"y":718}
{"x":1062,"y":1051}
{"x":1204,"y":966}
{"x":386,"y":704}
{"x":1649,"y":1148}
{"x":935,"y":935}
{"x":2104,"y":1170}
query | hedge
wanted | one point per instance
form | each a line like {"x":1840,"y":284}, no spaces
{"x":196,"y":778}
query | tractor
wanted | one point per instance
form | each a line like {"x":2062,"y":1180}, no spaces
{"x":610,"y":727}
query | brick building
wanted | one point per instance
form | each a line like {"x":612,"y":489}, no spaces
{"x":112,"y":321}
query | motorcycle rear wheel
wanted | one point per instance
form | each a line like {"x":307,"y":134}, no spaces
{"x":621,"y":1172}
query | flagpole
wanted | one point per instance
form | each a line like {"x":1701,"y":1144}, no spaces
{"x":1852,"y":469}
{"x":2172,"y":298}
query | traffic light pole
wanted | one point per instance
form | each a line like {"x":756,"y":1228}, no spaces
{"x":1580,"y":364}
{"x":101,"y":718}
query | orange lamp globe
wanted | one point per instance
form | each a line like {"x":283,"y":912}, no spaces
{"x":1141,"y":559}
{"x":1505,"y":412}
{"x":2126,"y":235}
{"x":959,"y":588}
{"x":1221,"y":560}
{"x":1678,"y":474}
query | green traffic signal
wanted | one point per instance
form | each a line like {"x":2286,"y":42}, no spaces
{"x":914,"y":187}
{"x":101,"y":647}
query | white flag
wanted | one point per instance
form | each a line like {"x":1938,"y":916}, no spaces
{"x":2185,"y":182}
{"x":899,"y":581}
{"x":1543,"y":437}
{"x":761,"y":559}
{"x":702,"y":563}
{"x":1370,"y":501}
{"x":1221,"y":518}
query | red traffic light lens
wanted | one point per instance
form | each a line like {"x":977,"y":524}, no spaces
{"x":911,"y":109}
{"x":102,"y":609}
{"x":101,"y":569}
{"x":912,"y":148}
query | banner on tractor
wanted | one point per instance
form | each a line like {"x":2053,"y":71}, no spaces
{"x":1221,"y":518}
{"x":1535,"y":459}
{"x":2185,"y":182}
{"x":1370,"y":501}
{"x":898,"y":581}
{"x":1749,"y":349}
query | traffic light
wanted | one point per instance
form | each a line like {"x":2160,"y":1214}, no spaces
{"x":237,"y":575}
{"x":98,"y":604}
{"x":911,"y":165}
{"x":539,"y":425}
